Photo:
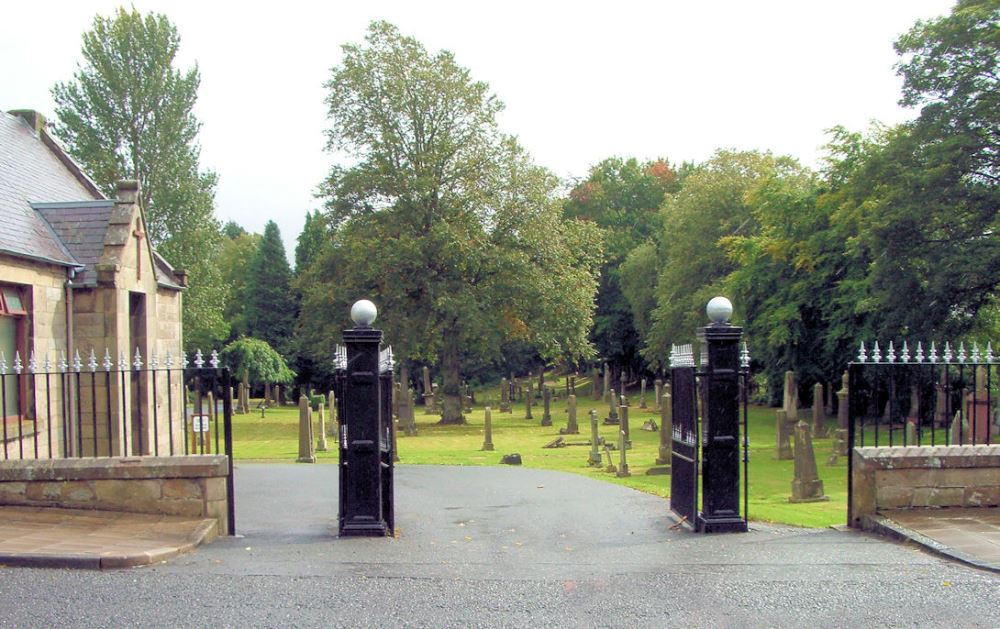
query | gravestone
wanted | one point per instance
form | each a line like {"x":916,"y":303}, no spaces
{"x":942,"y":407}
{"x":306,"y":454}
{"x":488,"y":431}
{"x":807,"y":486}
{"x":595,"y":453}
{"x":510,"y":459}
{"x":818,"y":425}
{"x":541,"y":381}
{"x":321,"y":440}
{"x":843,"y":418}
{"x":621,"y":390}
{"x":958,"y":433}
{"x":612,"y":418}
{"x":791,"y":398}
{"x":658,"y":394}
{"x":623,"y":420}
{"x":467,"y":398}
{"x":546,"y":406}
{"x":410,"y":427}
{"x":334,"y":417}
{"x":607,"y":383}
{"x":910,"y":433}
{"x":504,"y":396}
{"x":642,"y":393}
{"x":595,"y":383}
{"x":666,"y":433}
{"x":622,"y":447}
{"x":783,"y":427}
{"x":571,"y":426}
{"x":527,"y":402}
{"x":426,"y":376}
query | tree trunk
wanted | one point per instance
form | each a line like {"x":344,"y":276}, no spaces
{"x":451,"y":387}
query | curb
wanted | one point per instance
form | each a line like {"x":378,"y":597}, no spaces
{"x":889,"y":528}
{"x":205,"y":533}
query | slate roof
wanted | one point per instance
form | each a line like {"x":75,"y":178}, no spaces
{"x":49,"y":209}
{"x":30,"y":171}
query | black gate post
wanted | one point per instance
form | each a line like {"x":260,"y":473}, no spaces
{"x":684,"y":441}
{"x":720,"y":375}
{"x":362,"y":434}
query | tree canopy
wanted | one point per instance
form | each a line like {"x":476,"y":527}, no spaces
{"x":443,"y":218}
{"x":256,"y":361}
{"x":128,"y":114}
{"x":268,"y":302}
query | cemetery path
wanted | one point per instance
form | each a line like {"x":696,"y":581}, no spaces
{"x":501,"y":546}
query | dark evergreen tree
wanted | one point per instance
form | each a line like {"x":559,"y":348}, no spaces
{"x":269,"y":301}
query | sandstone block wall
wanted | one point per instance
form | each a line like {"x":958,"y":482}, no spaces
{"x":924,"y":476}
{"x":192,"y":486}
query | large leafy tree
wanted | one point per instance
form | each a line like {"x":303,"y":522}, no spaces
{"x":128,"y":114}
{"x":236,"y":254}
{"x":710,"y":206}
{"x":268,"y":301}
{"x":442,"y":219}
{"x":622,"y":197}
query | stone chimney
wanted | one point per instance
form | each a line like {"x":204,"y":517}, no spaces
{"x":34,"y":119}
{"x":127,"y":191}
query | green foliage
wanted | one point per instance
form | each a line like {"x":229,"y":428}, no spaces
{"x":235,"y":258}
{"x":313,"y":237}
{"x":268,"y":302}
{"x":622,"y":197}
{"x":443,"y":220}
{"x":128,"y":114}
{"x":257,"y":361}
{"x":710,"y":206}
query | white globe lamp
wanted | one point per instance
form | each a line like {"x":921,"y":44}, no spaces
{"x":719,"y":310}
{"x":363,"y":313}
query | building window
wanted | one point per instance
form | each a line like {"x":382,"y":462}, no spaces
{"x":13,"y":341}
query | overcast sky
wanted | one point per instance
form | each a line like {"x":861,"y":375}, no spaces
{"x":582,"y":81}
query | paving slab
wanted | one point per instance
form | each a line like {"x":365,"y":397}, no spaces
{"x":969,"y":535}
{"x":79,"y":538}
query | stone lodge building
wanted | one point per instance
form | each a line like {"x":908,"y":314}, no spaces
{"x":77,"y":275}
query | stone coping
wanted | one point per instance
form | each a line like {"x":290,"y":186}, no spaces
{"x":115,"y":468}
{"x":909,"y":457}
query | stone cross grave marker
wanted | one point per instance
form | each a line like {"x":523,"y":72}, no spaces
{"x":807,"y":486}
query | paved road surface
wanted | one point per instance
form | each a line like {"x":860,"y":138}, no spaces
{"x":504,"y":547}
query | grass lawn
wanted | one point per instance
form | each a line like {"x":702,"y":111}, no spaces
{"x":275,"y":437}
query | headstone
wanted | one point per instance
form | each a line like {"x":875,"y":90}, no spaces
{"x":437,"y":405}
{"x":657,"y":395}
{"x":818,"y":425}
{"x":541,"y":381}
{"x":306,"y":454}
{"x":267,"y":393}
{"x":942,"y":407}
{"x":321,"y":440}
{"x":783,"y":428}
{"x":828,"y":399}
{"x":807,"y":486}
{"x":396,"y":390}
{"x":527,"y":403}
{"x":488,"y":431}
{"x":840,"y":436}
{"x":607,"y":384}
{"x":410,"y":427}
{"x":622,"y":447}
{"x":572,"y":428}
{"x":642,"y":393}
{"x":595,"y":383}
{"x":546,"y":406}
{"x":910,"y":435}
{"x":334,"y":418}
{"x":595,"y":453}
{"x":791,"y":397}
{"x":959,"y":434}
{"x":504,"y":396}
{"x":623,"y":419}
{"x":277,"y":394}
{"x":621,"y":389}
{"x":426,"y":376}
{"x":531,"y":387}
{"x":232,"y":397}
{"x":666,"y":431}
{"x":612,"y":418}
{"x":468,"y":398}
{"x":511,"y":459}
{"x":977,"y":409}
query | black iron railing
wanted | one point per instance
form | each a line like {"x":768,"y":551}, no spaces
{"x":101,"y":408}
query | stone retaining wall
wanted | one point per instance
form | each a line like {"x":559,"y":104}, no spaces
{"x":193,"y":486}
{"x":911,"y":477}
